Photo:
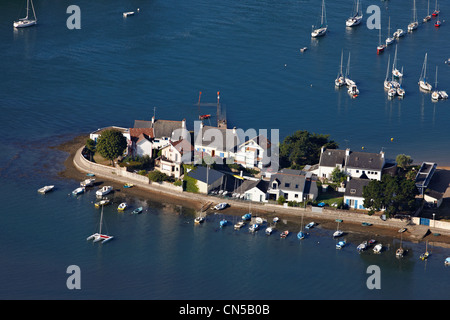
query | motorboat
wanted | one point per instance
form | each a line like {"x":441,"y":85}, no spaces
{"x":122,"y":206}
{"x":102,"y":202}
{"x":392,"y":92}
{"x":27,"y":21}
{"x":340,"y":244}
{"x":310,"y":225}
{"x":127,"y":14}
{"x":303,"y":49}
{"x":284,"y":234}
{"x":447,"y":261}
{"x":437,"y":24}
{"x":275,"y":219}
{"x":353,"y":91}
{"x":78,"y":191}
{"x":443,"y":94}
{"x":104,"y":191}
{"x":98,"y":236}
{"x":321,"y":30}
{"x":247,"y":216}
{"x":199,"y":220}
{"x":128,"y":185}
{"x":259,"y":220}
{"x":254,"y":227}
{"x":239,"y":225}
{"x":401,"y":92}
{"x":269,"y":231}
{"x":356,"y":17}
{"x":435,"y":95}
{"x":362,"y":246}
{"x":399,"y":252}
{"x":338,"y":233}
{"x":223,"y":223}
{"x":46,"y":189}
{"x":399,"y":33}
{"x":221,"y":206}
{"x":88,"y":182}
{"x":378,"y":248}
{"x":300,"y":235}
{"x":137,"y":210}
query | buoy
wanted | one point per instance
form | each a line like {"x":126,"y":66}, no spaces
{"x":392,"y":139}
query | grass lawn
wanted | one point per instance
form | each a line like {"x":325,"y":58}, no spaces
{"x":100,"y":160}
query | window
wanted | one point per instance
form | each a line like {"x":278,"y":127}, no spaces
{"x":352,"y":191}
{"x":296,"y":186}
{"x":296,"y":195}
{"x":274,"y":185}
{"x":287,"y":185}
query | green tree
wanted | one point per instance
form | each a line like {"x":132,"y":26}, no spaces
{"x":337,"y":175}
{"x":403,"y":161}
{"x":281,"y":200}
{"x":303,"y":148}
{"x":111,"y":144}
{"x":395,"y":194}
{"x":90,"y":147}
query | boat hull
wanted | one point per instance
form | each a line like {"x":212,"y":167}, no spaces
{"x":24,"y":23}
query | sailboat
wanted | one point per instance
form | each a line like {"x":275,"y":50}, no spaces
{"x":340,"y":80}
{"x":423,"y":84}
{"x":338,"y":232}
{"x":322,"y":29}
{"x":387,"y":83}
{"x":399,"y":33}
{"x":348,"y":81}
{"x":27,"y":21}
{"x":435,"y":94}
{"x":99,"y":236}
{"x":381,"y":46}
{"x":357,"y":16}
{"x":436,"y":10}
{"x":400,"y":251}
{"x":395,"y":71}
{"x":301,"y":234}
{"x":400,"y":90}
{"x":414,"y":24}
{"x":428,"y":17}
{"x":426,"y":254}
{"x":389,"y":39}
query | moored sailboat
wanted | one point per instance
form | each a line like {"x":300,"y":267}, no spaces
{"x":96,"y":237}
{"x":389,"y":39}
{"x":340,"y":79}
{"x":321,"y":30}
{"x":414,"y":23}
{"x":435,"y":94}
{"x":395,"y":72}
{"x":27,"y":21}
{"x":428,"y":17}
{"x":356,"y":17}
{"x":423,"y":84}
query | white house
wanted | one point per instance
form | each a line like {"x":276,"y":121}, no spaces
{"x":353,"y":196}
{"x":353,"y":164}
{"x":164,"y":131}
{"x":293,"y":185}
{"x":97,"y":133}
{"x":206,"y":179}
{"x":216,"y":142}
{"x":140,"y":143}
{"x":173,"y":156}
{"x":253,"y":153}
{"x":254,"y":190}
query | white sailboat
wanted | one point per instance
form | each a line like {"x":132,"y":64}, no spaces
{"x":399,"y":33}
{"x":340,"y":80}
{"x":27,"y":21}
{"x":423,"y":84}
{"x":428,"y":17}
{"x":322,"y":29}
{"x":435,"y":94}
{"x":400,"y":90}
{"x":414,"y":23}
{"x":349,"y":82}
{"x":395,"y":71}
{"x":387,"y":83}
{"x":338,"y":232}
{"x":357,"y":16}
{"x":96,"y":237}
{"x":389,"y":39}
{"x":381,"y":46}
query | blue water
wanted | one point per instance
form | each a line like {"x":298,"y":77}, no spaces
{"x":59,"y":83}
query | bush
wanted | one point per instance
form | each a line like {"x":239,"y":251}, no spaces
{"x":281,"y":200}
{"x":157,"y":176}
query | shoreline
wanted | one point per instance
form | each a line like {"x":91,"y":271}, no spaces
{"x":352,"y":227}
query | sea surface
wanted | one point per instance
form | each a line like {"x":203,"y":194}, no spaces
{"x":58,"y":83}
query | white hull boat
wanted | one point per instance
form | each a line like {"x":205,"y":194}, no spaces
{"x":46,"y":189}
{"x":78,"y":191}
{"x":122,"y":206}
{"x":104,"y":191}
{"x":87,"y":182}
{"x":98,"y":236}
{"x":322,"y":29}
{"x":27,"y":21}
{"x":378,"y":248}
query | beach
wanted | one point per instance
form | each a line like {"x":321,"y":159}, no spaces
{"x":291,"y":217}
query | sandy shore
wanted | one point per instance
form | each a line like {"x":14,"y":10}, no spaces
{"x":291,"y":220}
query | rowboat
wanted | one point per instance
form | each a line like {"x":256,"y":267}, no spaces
{"x":310,"y":225}
{"x":239,"y":225}
{"x":46,"y":189}
{"x":78,"y":191}
{"x":137,"y":210}
{"x":284,"y":234}
{"x":122,"y":206}
{"x":340,"y":244}
{"x":102,"y":202}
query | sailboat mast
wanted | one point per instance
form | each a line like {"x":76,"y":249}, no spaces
{"x":321,"y":19}
{"x":101,"y":220}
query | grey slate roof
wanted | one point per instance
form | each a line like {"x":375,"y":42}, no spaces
{"x":365,"y":160}
{"x":200,"y":174}
{"x":219,"y":138}
{"x":262,"y":185}
{"x":332,"y":158}
{"x":161,"y":128}
{"x":293,"y":180}
{"x":354,"y":187}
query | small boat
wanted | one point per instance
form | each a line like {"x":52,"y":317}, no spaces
{"x":87,"y":182}
{"x":437,"y":24}
{"x":447,"y":261}
{"x":372,"y":241}
{"x":353,"y":91}
{"x":221,"y":206}
{"x":239,"y":225}
{"x":96,"y":237}
{"x":414,"y":23}
{"x":300,"y":235}
{"x":104,"y":190}
{"x":303,"y":49}
{"x":127,"y":14}
{"x":428,"y":17}
{"x":269,"y":231}
{"x":426,"y":254}
{"x":399,"y":252}
{"x":259,"y":220}
{"x":402,"y":230}
{"x":401,"y":92}
{"x":247,"y":216}
{"x":254,"y":227}
{"x":389,"y":39}
{"x":338,"y":232}
{"x":46,"y":189}
{"x":310,"y":225}
{"x":436,"y":10}
{"x":447,"y":61}
{"x":340,"y":244}
{"x":27,"y":22}
{"x":199,"y":220}
{"x":102,"y":202}
{"x":443,"y":94}
{"x":392,"y":92}
{"x":122,"y":206}
{"x":284,"y":234}
{"x":423,"y":84}
{"x":378,"y":248}
{"x":321,"y":30}
{"x":128,"y":185}
{"x":223,"y":223}
{"x":366,"y":224}
{"x":362,"y":246}
{"x":399,"y":33}
{"x":381,"y":46}
{"x":78,"y":191}
{"x":137,"y":210}
{"x":356,"y":17}
{"x":275,"y":220}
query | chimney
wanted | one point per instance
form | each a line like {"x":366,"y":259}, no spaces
{"x":183,"y":123}
{"x":382,"y":154}
{"x":347,"y":152}
{"x":153,"y":121}
{"x":234,"y":130}
{"x":321,"y":149}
